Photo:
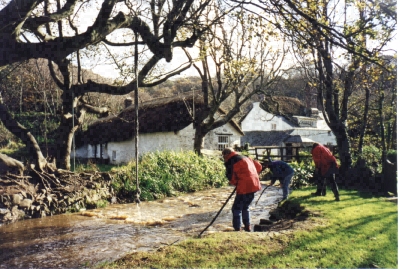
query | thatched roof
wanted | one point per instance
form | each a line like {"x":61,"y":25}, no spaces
{"x":169,"y":114}
{"x":285,"y":106}
{"x":265,"y":138}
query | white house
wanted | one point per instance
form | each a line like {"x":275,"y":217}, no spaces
{"x":260,"y":120}
{"x":284,"y":121}
{"x":164,"y":124}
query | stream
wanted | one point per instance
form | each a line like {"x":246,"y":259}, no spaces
{"x":106,"y":234}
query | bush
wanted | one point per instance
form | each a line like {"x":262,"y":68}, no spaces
{"x":303,"y":174}
{"x":167,"y":173}
{"x":373,"y":158}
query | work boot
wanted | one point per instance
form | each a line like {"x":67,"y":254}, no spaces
{"x":237,"y":229}
{"x":337,"y":198}
{"x":247,"y":228}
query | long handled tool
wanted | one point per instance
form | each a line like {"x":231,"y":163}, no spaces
{"x":216,"y":216}
{"x":262,"y":193}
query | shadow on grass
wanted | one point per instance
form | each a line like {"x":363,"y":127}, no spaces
{"x":355,"y":245}
{"x":357,"y":238}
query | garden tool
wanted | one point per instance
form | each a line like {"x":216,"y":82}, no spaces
{"x":216,"y":216}
{"x":262,"y":193}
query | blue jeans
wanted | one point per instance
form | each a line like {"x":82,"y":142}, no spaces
{"x":285,"y":185}
{"x":240,"y":209}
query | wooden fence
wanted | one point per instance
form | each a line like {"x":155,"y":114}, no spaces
{"x":287,"y":154}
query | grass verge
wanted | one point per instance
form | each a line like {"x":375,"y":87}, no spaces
{"x":360,"y":231}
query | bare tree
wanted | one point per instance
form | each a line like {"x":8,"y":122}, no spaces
{"x":54,"y":31}
{"x":237,"y":60}
{"x":360,"y":30}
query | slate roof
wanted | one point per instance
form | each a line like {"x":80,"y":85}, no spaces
{"x":299,"y":139}
{"x":265,"y":138}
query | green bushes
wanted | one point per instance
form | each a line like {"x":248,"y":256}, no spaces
{"x":167,"y":173}
{"x":303,"y":174}
{"x":372,"y":156}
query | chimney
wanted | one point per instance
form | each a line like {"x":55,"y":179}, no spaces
{"x":314,"y":112}
{"x":128,"y":102}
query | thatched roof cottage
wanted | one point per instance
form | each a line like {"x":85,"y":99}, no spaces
{"x":164,"y":124}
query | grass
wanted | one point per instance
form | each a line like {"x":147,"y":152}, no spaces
{"x":360,"y":231}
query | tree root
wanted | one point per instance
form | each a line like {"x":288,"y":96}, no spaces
{"x":43,"y":194}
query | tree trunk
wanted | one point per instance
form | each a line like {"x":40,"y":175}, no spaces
{"x":70,"y":122}
{"x":393,"y":136}
{"x":343,"y":148}
{"x":336,"y":111}
{"x":199,"y":135}
{"x":64,"y":143}
{"x":382,"y":130}
{"x":27,"y":138}
{"x":364,"y":124}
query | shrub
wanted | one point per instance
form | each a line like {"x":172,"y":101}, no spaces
{"x":167,"y":173}
{"x":373,"y":158}
{"x":303,"y":174}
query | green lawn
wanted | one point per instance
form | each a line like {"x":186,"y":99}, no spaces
{"x":360,"y":231}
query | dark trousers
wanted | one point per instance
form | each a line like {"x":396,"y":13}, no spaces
{"x":240,"y":210}
{"x":322,"y":182}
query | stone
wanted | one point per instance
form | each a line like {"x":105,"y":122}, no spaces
{"x":4,"y":211}
{"x":261,"y":228}
{"x":266,"y":222}
{"x":16,"y":199}
{"x":17,"y":213}
{"x":26,"y":203}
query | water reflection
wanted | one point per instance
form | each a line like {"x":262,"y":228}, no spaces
{"x":89,"y":237}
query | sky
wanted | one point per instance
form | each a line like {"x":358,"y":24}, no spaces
{"x":100,"y":65}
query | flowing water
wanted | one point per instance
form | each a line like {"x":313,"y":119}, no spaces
{"x":106,"y":234}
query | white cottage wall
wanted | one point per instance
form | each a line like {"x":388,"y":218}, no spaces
{"x":260,"y":120}
{"x":123,"y":152}
{"x":211,"y":139}
{"x":82,"y":152}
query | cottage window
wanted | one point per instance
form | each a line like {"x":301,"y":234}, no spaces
{"x":223,"y":142}
{"x":273,"y":126}
{"x":114,"y":155}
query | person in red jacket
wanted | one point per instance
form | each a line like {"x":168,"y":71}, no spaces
{"x":242,"y":172}
{"x":325,"y":168}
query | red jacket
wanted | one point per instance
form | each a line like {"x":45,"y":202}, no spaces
{"x":323,"y":159}
{"x":243,"y":173}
